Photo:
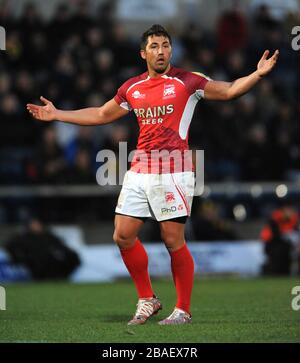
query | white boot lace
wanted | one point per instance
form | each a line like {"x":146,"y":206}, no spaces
{"x":144,"y":308}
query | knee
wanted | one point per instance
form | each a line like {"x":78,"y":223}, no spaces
{"x":123,"y":240}
{"x":172,"y":241}
{"x":169,"y":240}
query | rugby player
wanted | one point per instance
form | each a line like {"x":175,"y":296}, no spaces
{"x":163,"y":100}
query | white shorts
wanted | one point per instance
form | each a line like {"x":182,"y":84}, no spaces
{"x":160,"y":196}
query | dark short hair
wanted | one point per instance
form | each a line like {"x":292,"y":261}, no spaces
{"x":155,"y":29}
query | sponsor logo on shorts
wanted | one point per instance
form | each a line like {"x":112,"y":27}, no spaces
{"x":170,"y":197}
{"x":165,"y":211}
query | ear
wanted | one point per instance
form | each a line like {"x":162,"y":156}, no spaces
{"x":143,"y":53}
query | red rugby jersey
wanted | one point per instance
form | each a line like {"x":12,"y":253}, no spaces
{"x":164,"y":108}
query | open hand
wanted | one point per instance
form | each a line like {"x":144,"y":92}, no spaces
{"x":265,"y":65}
{"x":43,"y":113}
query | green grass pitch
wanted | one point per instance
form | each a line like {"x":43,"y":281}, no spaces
{"x":224,"y":310}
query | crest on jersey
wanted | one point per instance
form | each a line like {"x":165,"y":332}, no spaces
{"x":137,"y":94}
{"x":169,"y":91}
{"x":170,"y":197}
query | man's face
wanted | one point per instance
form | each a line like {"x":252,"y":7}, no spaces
{"x":157,"y":53}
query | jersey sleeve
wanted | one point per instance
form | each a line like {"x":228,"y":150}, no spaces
{"x":198,"y":83}
{"x":121,"y":98}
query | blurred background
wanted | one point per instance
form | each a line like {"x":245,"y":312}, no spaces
{"x":77,"y":53}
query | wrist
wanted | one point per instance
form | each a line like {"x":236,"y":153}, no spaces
{"x":58,"y":115}
{"x":259,"y":74}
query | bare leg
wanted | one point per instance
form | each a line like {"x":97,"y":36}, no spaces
{"x":126,"y":230}
{"x":172,"y":233}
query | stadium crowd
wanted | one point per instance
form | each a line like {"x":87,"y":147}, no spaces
{"x":78,"y":60}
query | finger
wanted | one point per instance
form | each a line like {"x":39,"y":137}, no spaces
{"x":32,"y":107}
{"x":43,"y":99}
{"x":34,"y":114}
{"x":265,"y":55}
{"x":33,"y":110}
{"x":276,"y":54}
{"x":30,"y":110}
{"x":37,"y":114}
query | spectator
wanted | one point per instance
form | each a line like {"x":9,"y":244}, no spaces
{"x":209,"y":226}
{"x":266,"y":101}
{"x":105,"y":15}
{"x":81,"y":172}
{"x":264,"y":20}
{"x":257,"y":159}
{"x":118,"y":133}
{"x":64,"y":72}
{"x":50,"y":161}
{"x":24,"y":85}
{"x":123,"y":49}
{"x":16,"y":132}
{"x":43,"y":253}
{"x":232,"y":31}
{"x":193,"y":39}
{"x":281,"y":239}
{"x":81,"y":20}
{"x":235,"y":65}
{"x":59,"y":28}
{"x":32,"y":26}
{"x":83,"y":84}
{"x":83,"y":141}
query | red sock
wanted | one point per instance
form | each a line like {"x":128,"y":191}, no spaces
{"x":136,"y":261}
{"x":182,"y":265}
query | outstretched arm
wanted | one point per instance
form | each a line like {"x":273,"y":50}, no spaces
{"x":216,"y":90}
{"x":109,"y":112}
